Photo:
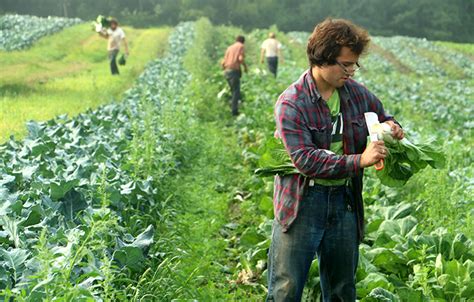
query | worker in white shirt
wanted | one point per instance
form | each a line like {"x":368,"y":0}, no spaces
{"x":115,"y":36}
{"x":271,"y":50}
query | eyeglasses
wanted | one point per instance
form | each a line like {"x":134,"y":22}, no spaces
{"x":346,"y":66}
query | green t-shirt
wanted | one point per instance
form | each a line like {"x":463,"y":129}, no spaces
{"x":334,"y":104}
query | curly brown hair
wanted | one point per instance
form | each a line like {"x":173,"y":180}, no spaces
{"x":329,"y":36}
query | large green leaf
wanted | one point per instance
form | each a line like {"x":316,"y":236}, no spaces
{"x":380,"y":294}
{"x":72,"y":203}
{"x":131,"y":257}
{"x":59,"y":189}
{"x":372,"y":281}
{"x":14,"y":259}
{"x":388,"y":260}
{"x":145,"y":239}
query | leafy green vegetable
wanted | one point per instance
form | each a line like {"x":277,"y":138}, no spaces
{"x":275,"y":159}
{"x":404,"y":159}
{"x":104,"y":21}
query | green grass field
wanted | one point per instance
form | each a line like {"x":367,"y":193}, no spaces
{"x":461,"y":47}
{"x":67,"y":73}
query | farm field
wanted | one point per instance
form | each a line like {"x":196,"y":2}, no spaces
{"x":147,"y":191}
{"x":68,"y":77}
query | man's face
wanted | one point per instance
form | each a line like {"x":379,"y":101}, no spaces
{"x":336,"y":75}
{"x":113,"y":25}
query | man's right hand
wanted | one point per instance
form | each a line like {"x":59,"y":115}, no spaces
{"x":374,"y":152}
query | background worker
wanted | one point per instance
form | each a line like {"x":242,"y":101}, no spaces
{"x":271,"y":50}
{"x":115,"y":36}
{"x":234,"y":58}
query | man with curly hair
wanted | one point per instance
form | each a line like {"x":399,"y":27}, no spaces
{"x":319,"y":212}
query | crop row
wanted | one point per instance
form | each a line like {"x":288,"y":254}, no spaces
{"x":74,"y":191}
{"x":21,"y":31}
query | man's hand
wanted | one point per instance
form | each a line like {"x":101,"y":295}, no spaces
{"x":397,"y":131}
{"x":374,"y":152}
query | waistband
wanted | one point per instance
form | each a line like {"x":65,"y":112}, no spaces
{"x":330,"y":189}
{"x":312,"y":183}
{"x":228,"y":70}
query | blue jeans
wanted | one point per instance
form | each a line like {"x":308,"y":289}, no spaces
{"x":272,"y":63}
{"x":233,"y":78}
{"x":113,"y":61}
{"x":326,"y":226}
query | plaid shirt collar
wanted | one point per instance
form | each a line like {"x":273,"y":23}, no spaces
{"x":313,"y":90}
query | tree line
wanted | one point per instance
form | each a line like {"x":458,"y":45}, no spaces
{"x":433,"y":19}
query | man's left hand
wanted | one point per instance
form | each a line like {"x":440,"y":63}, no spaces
{"x":397,"y":131}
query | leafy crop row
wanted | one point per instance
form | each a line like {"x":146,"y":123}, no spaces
{"x":21,"y":31}
{"x":74,"y":191}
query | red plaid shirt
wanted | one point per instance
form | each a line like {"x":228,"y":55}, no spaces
{"x":303,"y":122}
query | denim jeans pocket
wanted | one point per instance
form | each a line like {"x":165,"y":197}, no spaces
{"x":313,"y":208}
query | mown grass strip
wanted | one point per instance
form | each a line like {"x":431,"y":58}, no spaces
{"x":389,"y":56}
{"x":67,"y":73}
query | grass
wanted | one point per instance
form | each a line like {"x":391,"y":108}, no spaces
{"x":202,"y":268}
{"x":461,"y":47}
{"x":194,"y":240}
{"x":67,"y":73}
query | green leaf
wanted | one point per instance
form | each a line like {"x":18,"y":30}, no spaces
{"x":144,"y":239}
{"x":468,"y":290}
{"x":6,"y":179}
{"x":59,"y":189}
{"x":365,"y":267}
{"x":389,"y":260}
{"x":439,"y":264}
{"x":250,"y":237}
{"x":407,"y":225}
{"x":33,"y":216}
{"x":266,"y":206}
{"x":390,"y":227}
{"x":10,"y":225}
{"x":372,"y":281}
{"x":72,"y":203}
{"x":27,"y":172}
{"x":380,"y":294}
{"x":411,"y":295}
{"x":461,"y":246}
{"x":7,"y":201}
{"x":399,"y":211}
{"x":131,"y":257}
{"x":34,"y":129}
{"x":14,"y":259}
